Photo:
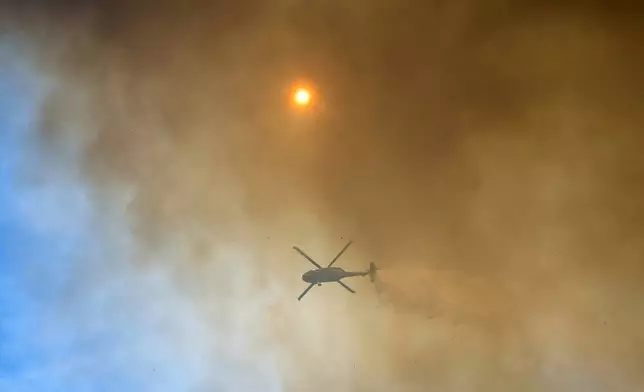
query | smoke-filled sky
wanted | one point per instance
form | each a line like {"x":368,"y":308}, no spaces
{"x":154,"y":177}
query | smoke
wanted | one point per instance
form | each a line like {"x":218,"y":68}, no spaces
{"x":485,"y":156}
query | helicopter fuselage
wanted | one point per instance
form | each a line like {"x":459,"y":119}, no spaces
{"x":330,"y":274}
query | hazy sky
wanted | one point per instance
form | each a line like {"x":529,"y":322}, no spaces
{"x":154,"y":177}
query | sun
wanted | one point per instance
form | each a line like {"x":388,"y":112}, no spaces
{"x":302,"y":97}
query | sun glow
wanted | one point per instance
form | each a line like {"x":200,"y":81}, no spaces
{"x":302,"y":97}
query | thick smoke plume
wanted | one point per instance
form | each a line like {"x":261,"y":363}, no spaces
{"x":486,"y":155}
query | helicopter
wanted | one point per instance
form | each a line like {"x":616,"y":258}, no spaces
{"x":330,"y":274}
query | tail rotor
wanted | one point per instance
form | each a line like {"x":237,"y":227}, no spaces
{"x":372,"y":272}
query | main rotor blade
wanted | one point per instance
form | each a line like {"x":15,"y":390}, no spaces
{"x":306,"y":291}
{"x":340,"y":254}
{"x":346,"y":287}
{"x":300,"y":251}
